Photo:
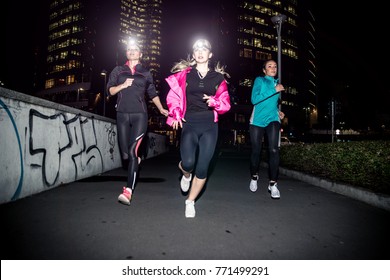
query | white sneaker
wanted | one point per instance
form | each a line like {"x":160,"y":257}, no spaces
{"x":274,"y":191}
{"x":253,"y":185}
{"x":185,"y":183}
{"x":190,"y":209}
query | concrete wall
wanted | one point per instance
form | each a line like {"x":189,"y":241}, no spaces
{"x":44,"y":145}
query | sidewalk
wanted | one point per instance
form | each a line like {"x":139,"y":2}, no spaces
{"x":83,"y":220}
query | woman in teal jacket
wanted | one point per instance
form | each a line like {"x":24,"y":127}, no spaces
{"x":265,"y":119}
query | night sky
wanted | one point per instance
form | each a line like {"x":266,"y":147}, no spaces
{"x":351,"y":58}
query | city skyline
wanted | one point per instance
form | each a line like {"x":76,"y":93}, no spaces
{"x":347,"y":42}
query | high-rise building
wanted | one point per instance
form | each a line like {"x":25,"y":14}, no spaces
{"x":87,"y":39}
{"x":248,"y":37}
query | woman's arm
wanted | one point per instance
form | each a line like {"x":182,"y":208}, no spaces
{"x":262,"y":90}
{"x":221,"y":100}
{"x":156,"y":100}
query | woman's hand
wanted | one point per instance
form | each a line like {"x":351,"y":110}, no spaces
{"x":127,"y":83}
{"x":164,"y":112}
{"x":177,"y":124}
{"x":279,"y":87}
{"x":208,"y":99}
{"x":281,"y":115}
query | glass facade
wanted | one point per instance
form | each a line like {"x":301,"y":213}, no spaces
{"x":86,"y":37}
{"x":247,"y":25}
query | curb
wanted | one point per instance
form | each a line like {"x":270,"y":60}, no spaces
{"x":374,"y":199}
{"x":378,"y":200}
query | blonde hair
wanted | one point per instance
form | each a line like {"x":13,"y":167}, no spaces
{"x":183,"y":64}
{"x":221,"y":69}
{"x":190,"y":62}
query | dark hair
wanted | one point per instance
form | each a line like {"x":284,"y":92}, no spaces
{"x":268,"y":60}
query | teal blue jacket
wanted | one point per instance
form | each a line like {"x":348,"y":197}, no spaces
{"x":265,"y":101}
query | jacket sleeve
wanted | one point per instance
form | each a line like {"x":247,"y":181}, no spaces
{"x":150,"y":87}
{"x":113,"y":79}
{"x":174,"y":100}
{"x":261,"y":90}
{"x":221,"y":100}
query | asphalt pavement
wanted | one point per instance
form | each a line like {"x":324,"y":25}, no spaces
{"x":84,"y":221}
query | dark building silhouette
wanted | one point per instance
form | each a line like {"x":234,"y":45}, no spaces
{"x":247,"y":37}
{"x":87,"y":39}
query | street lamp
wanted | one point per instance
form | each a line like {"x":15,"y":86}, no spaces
{"x":78,"y":93}
{"x":104,"y":74}
{"x":277,"y":21}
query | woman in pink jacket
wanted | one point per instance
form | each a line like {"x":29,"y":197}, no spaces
{"x":197,"y":95}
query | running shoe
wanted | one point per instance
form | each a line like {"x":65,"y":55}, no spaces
{"x":253,"y":185}
{"x":125,"y":196}
{"x":190,"y":209}
{"x":185,"y":183}
{"x":273,"y":189}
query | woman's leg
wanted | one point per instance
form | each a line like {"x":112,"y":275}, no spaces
{"x":188,"y":146}
{"x":256,"y":135}
{"x":123,"y":126}
{"x":206,"y":148}
{"x":273,"y":130}
{"x":131,"y":130}
{"x":138,"y":126}
{"x":207,"y":143}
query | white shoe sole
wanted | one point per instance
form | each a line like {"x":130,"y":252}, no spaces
{"x":123,"y":199}
{"x":190,"y":215}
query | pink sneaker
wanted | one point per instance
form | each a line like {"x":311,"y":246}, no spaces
{"x":125,"y":196}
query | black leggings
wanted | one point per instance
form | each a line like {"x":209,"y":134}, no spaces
{"x":131,"y":130}
{"x":256,"y":135}
{"x":201,"y":136}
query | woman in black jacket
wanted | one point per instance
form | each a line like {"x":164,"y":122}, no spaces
{"x":130,"y":82}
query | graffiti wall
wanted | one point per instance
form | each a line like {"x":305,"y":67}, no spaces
{"x":44,"y":145}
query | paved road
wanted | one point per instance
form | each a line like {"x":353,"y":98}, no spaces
{"x":83,"y":220}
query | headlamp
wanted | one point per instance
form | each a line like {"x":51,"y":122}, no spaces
{"x":132,"y":43}
{"x":202,"y":44}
